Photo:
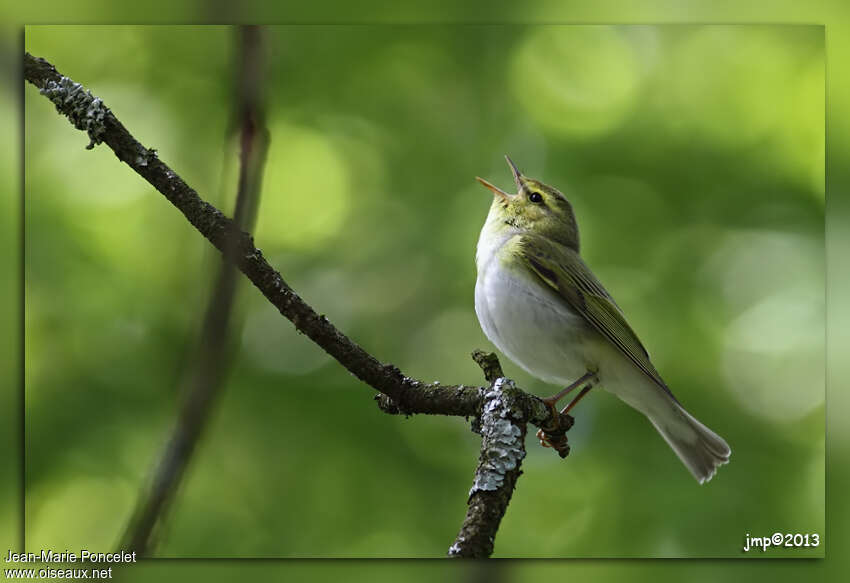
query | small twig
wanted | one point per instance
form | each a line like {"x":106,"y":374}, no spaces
{"x":489,"y":363}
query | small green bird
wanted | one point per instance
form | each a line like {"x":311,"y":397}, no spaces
{"x":542,"y":306}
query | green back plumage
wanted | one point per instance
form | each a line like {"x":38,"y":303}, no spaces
{"x":562,"y":269}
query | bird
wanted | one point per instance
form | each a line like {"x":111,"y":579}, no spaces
{"x":541,"y":305}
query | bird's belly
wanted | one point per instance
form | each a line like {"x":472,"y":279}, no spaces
{"x":534,"y":327}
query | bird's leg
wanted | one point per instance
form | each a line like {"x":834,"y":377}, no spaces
{"x":553,"y":400}
{"x":577,"y":398}
{"x":589,"y":378}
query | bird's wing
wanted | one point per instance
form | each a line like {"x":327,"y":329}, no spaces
{"x":574,"y":282}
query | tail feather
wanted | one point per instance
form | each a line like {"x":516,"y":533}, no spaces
{"x":700,"y":449}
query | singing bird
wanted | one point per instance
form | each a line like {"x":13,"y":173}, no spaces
{"x":544,"y":308}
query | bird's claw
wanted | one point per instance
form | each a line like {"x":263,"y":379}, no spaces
{"x":556,"y":437}
{"x":544,"y":441}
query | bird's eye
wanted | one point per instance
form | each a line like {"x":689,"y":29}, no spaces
{"x":535,"y":197}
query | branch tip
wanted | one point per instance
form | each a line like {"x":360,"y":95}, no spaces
{"x":489,"y":363}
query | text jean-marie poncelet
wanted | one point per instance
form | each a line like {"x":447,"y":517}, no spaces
{"x":66,"y":556}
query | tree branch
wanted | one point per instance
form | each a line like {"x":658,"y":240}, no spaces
{"x":88,"y":113}
{"x":502,"y":409}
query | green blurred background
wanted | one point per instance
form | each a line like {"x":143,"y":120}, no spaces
{"x":694,"y":156}
{"x":834,"y":13}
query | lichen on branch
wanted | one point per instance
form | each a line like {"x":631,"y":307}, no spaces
{"x":502,"y":449}
{"x":85,"y":111}
{"x":502,"y":426}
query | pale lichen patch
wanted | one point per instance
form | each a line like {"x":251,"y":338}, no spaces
{"x":85,"y":111}
{"x":502,"y":449}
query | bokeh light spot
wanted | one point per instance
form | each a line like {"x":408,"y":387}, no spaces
{"x":762,"y":89}
{"x":66,"y":517}
{"x":579,"y":81}
{"x":773,"y":361}
{"x":306,"y":189}
{"x":773,"y":358}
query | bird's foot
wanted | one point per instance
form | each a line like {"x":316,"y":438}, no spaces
{"x":555,"y":436}
{"x":556,"y":440}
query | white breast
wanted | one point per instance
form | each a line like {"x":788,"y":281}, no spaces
{"x":528,"y":322}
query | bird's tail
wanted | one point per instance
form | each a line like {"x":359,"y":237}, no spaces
{"x":699,"y":448}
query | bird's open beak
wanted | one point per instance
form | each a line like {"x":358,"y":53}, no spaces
{"x":517,"y":174}
{"x":496,"y":190}
{"x":518,"y":178}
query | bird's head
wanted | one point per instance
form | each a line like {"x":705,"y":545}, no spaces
{"x":536,"y":208}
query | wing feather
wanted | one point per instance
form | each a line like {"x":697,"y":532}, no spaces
{"x":577,"y":285}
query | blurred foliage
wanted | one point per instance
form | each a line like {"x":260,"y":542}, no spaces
{"x":11,"y":491}
{"x":694,"y":156}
